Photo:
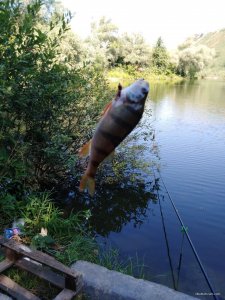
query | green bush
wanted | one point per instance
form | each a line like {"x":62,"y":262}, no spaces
{"x":46,"y":104}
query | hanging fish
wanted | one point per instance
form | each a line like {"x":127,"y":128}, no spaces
{"x":119,"y":118}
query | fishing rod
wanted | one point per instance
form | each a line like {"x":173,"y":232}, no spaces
{"x":189,"y":240}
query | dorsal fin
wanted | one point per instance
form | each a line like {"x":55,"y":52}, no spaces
{"x":109,"y":105}
{"x":106,"y":108}
{"x":119,"y":91}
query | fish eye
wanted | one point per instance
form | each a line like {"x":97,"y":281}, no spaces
{"x":144,"y":90}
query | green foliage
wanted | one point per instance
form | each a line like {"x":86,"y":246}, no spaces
{"x":80,"y":248}
{"x":68,"y":239}
{"x":160,"y":58}
{"x":38,"y":212}
{"x":106,"y":48}
{"x":130,"y":266}
{"x":134,"y":50}
{"x":8,"y":208}
{"x":42,"y":242}
{"x":104,"y":30}
{"x":192,"y":59}
{"x":46,"y":103}
{"x":216,"y":42}
{"x":72,"y":49}
{"x":126,"y":75}
{"x":102,"y":46}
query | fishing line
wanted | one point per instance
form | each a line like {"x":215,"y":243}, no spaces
{"x":166,"y":239}
{"x":175,"y":285}
{"x":181,"y":255}
{"x":189,"y":240}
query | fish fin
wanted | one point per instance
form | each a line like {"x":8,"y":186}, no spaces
{"x":106,"y":108}
{"x":85,"y":150}
{"x":110,"y":156}
{"x":119,"y":90}
{"x":108,"y":105}
{"x":89,"y":183}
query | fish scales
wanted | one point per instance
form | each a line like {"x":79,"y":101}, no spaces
{"x":112,"y":130}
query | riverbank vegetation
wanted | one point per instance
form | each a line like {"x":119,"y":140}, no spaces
{"x":216,"y":42}
{"x":46,"y":113}
{"x":50,"y":102}
{"x":53,"y":87}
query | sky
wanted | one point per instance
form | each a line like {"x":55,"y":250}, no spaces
{"x":173,"y":20}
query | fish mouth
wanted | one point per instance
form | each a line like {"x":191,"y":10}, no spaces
{"x":145,"y":86}
{"x":138,"y":91}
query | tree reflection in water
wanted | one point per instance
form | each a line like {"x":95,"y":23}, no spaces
{"x":114,"y":206}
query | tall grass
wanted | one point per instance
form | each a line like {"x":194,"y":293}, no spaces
{"x":133,"y":266}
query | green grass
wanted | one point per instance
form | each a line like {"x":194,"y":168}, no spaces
{"x":131,"y":266}
{"x":68,"y":239}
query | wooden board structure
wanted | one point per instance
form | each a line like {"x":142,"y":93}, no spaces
{"x":40,"y":264}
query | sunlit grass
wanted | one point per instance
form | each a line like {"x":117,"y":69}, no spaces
{"x":126,"y":77}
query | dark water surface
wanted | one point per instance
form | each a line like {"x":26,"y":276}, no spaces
{"x":189,"y":146}
{"x":190,"y":131}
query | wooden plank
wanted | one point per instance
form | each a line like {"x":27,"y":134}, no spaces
{"x":42,"y":272}
{"x":11,"y":254}
{"x":65,"y":295}
{"x":38,"y":256}
{"x":5,"y":264}
{"x":15,"y":290}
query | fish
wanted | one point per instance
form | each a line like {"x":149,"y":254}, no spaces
{"x":119,"y":118}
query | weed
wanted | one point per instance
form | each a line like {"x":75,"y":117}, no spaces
{"x":35,"y":285}
{"x":67,"y":240}
{"x":110,"y":259}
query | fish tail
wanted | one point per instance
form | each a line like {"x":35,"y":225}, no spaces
{"x":89,"y":183}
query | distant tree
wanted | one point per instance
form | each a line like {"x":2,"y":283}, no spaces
{"x":193,"y":59}
{"x":103,"y":45}
{"x":72,"y":48}
{"x":105,"y":31}
{"x":160,"y":57}
{"x":134,"y":50}
{"x":190,"y":41}
{"x":186,"y":44}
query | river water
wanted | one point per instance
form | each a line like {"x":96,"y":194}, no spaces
{"x":190,"y":131}
{"x":188,"y":152}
